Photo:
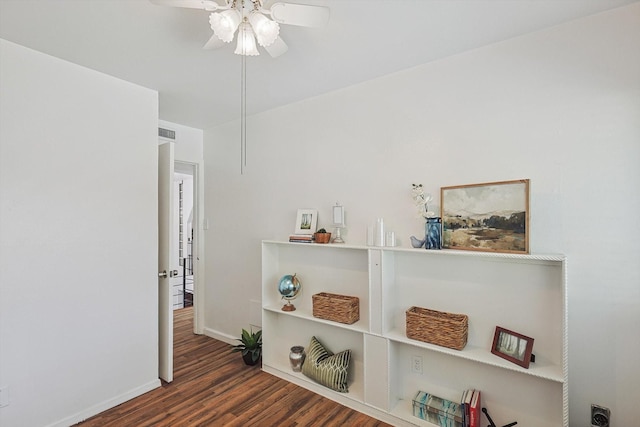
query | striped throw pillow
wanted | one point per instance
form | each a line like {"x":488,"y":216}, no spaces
{"x":326,"y":368}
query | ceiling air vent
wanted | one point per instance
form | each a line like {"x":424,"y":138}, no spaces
{"x":167,"y":134}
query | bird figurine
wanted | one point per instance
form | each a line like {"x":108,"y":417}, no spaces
{"x":417,"y":243}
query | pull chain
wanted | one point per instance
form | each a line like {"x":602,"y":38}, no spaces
{"x":243,"y":111}
{"x":243,"y":116}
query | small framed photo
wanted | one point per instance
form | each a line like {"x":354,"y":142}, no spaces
{"x":512,"y":346}
{"x":490,"y":217}
{"x":306,"y":221}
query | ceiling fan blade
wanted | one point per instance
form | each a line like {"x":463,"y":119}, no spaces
{"x":191,"y":4}
{"x":277,"y":48}
{"x":213,"y":43}
{"x":300,"y":14}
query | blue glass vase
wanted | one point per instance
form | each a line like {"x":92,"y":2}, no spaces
{"x":433,"y":233}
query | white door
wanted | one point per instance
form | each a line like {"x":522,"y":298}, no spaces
{"x":165,"y":297}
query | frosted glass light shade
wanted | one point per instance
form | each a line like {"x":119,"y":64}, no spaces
{"x":246,"y":41}
{"x":224,"y":24}
{"x":265,"y":29}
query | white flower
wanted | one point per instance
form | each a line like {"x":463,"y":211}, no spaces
{"x":421,"y":200}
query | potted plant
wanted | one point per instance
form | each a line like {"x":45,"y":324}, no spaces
{"x":250,"y":346}
{"x":322,"y":236}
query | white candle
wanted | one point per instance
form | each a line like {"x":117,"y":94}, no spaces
{"x":379,"y":237}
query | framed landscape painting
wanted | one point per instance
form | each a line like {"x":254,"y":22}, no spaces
{"x":491,"y":217}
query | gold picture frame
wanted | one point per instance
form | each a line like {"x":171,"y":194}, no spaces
{"x":489,"y":217}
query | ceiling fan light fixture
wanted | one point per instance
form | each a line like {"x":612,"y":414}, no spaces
{"x":224,"y":24}
{"x":266,"y":30}
{"x":246,"y":41}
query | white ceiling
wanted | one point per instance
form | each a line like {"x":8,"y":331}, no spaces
{"x":161,"y":47}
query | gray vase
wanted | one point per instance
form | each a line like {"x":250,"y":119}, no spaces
{"x":296,"y":357}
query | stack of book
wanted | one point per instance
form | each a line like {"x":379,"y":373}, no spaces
{"x":445,"y":413}
{"x":301,"y":238}
{"x":436,"y":410}
{"x":471,"y":403}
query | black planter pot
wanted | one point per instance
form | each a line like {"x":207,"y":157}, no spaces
{"x":248,"y":360}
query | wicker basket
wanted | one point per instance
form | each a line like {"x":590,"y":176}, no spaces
{"x":338,"y":308}
{"x":437,"y":327}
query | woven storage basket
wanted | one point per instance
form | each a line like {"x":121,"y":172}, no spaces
{"x":338,"y":308}
{"x":437,"y":327}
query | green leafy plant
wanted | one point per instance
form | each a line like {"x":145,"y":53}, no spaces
{"x":321,"y":231}
{"x":250,"y":346}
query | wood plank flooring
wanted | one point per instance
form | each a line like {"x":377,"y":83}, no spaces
{"x":213,"y":387}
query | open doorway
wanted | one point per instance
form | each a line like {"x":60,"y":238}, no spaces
{"x":170,"y":251}
{"x":183,"y":284}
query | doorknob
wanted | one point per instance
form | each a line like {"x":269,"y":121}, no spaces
{"x":163,"y":274}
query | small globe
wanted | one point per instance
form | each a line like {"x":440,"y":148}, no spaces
{"x":289,"y":286}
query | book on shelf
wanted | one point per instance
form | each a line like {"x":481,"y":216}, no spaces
{"x":301,"y":238}
{"x":475,"y":409}
{"x":439,"y":411}
{"x":465,"y":406}
{"x":462,"y":408}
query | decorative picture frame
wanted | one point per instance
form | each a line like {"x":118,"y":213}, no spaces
{"x":306,"y":221}
{"x":512,"y":346}
{"x":489,"y":217}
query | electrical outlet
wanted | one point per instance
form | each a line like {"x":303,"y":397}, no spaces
{"x":600,"y":416}
{"x":416,"y":364}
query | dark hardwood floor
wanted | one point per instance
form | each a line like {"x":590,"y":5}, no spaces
{"x":213,"y":387}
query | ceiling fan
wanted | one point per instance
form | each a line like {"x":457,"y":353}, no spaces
{"x":249,"y":18}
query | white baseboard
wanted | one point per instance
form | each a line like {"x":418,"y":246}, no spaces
{"x":107,"y":404}
{"x":220,"y":336}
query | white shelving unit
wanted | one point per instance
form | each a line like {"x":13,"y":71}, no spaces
{"x":523,"y":293}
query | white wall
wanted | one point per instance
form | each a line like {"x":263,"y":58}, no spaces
{"x":188,"y":144}
{"x":78,"y":246}
{"x":560,"y":107}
